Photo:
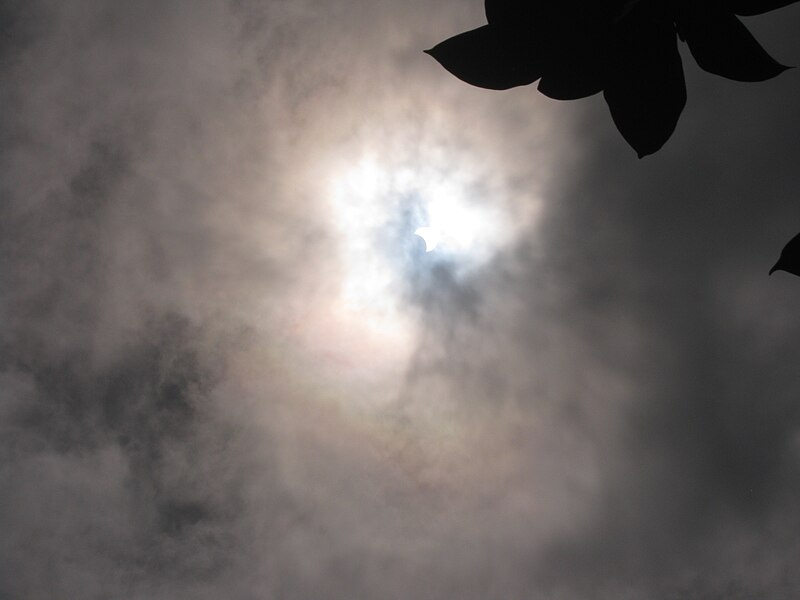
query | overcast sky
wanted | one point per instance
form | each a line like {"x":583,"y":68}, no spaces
{"x":228,"y":369}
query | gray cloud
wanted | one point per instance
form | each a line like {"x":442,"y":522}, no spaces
{"x":607,"y":409}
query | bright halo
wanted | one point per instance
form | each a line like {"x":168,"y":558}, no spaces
{"x":377,"y":206}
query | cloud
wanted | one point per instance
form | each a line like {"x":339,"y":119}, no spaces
{"x":604,"y":408}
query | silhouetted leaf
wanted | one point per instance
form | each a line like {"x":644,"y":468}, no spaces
{"x":645,"y":90}
{"x":573,"y":73}
{"x":757,"y":7}
{"x":485,"y":58}
{"x":789,"y":260}
{"x":722,"y":45}
{"x":556,"y":25}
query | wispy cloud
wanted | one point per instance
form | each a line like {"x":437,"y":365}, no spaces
{"x":603,"y":406}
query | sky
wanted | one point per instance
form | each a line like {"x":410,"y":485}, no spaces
{"x":228,"y":368}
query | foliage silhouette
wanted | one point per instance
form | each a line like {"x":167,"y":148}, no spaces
{"x":628,"y":49}
{"x":789,"y":260}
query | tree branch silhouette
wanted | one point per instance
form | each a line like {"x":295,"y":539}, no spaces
{"x":628,"y":49}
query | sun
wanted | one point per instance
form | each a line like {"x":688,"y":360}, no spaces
{"x":429,"y":235}
{"x":407,"y":223}
{"x":382,"y":209}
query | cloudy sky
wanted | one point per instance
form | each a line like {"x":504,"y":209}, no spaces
{"x":228,"y":368}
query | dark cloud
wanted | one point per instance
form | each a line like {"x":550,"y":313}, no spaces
{"x":605,"y":409}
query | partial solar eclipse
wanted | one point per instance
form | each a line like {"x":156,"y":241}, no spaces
{"x":430,"y":236}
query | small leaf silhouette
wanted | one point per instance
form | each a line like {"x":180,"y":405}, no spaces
{"x":486,"y":59}
{"x":646,"y":91}
{"x":757,"y":7}
{"x":789,"y":260}
{"x":722,"y":45}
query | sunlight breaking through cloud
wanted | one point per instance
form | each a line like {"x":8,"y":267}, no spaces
{"x":379,"y":205}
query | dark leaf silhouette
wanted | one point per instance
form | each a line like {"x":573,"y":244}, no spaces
{"x":575,"y":73}
{"x":789,"y":260}
{"x":487,"y":59}
{"x":625,"y":48}
{"x":646,"y":91}
{"x":723,"y":46}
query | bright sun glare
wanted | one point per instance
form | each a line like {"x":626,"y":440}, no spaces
{"x":430,"y":236}
{"x":381,"y":210}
